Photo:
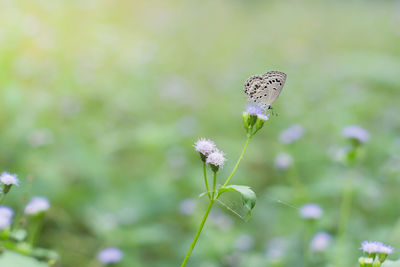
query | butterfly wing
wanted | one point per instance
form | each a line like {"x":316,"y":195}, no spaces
{"x":252,"y":86}
{"x":263,"y":90}
{"x":274,"y":82}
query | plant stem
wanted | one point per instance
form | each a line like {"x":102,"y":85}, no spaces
{"x":213,"y":198}
{"x":205,"y":179}
{"x":345,"y":208}
{"x":3,"y":196}
{"x":238,"y":162}
{"x":198,"y":233}
{"x":35,"y":225}
{"x":214,"y":185}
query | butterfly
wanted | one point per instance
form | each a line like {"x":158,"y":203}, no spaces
{"x":263,"y":90}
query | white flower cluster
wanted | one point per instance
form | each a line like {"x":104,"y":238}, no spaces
{"x":37,"y":205}
{"x":9,"y":179}
{"x":311,"y":211}
{"x":212,"y":155}
{"x":6,"y":215}
{"x":372,"y":247}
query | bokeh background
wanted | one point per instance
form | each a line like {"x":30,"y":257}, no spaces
{"x":101,"y":102}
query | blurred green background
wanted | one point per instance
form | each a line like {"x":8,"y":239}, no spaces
{"x":101,"y":101}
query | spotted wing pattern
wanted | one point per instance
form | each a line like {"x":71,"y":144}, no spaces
{"x":264,"y":89}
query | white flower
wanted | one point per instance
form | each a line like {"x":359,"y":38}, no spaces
{"x":110,"y":255}
{"x":283,"y":161}
{"x":37,"y":205}
{"x":9,"y":179}
{"x":371,"y":247}
{"x":263,"y":117}
{"x":291,"y":134}
{"x":320,"y":241}
{"x":356,"y":132}
{"x":6,"y":214}
{"x":311,"y":211}
{"x":204,"y":146}
{"x":216,"y":158}
{"x":385,"y":249}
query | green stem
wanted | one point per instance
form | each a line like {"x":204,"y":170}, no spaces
{"x":198,"y":233}
{"x":35,"y":225}
{"x":205,"y":179}
{"x":238,"y":162}
{"x":3,"y":196}
{"x":345,"y":209}
{"x":214,"y":185}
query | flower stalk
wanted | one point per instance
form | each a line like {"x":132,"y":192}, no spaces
{"x":253,"y":121}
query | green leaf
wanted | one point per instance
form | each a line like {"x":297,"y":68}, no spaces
{"x":10,"y":258}
{"x":19,"y":234}
{"x":203,"y":194}
{"x":248,"y":196}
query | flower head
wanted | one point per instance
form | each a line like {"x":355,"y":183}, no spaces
{"x":9,"y":179}
{"x":110,"y":255}
{"x":320,"y":241}
{"x":216,"y":159}
{"x":6,"y":214}
{"x":385,"y":249}
{"x":371,"y":247}
{"x":311,"y":211}
{"x":263,"y":117}
{"x":291,"y":134}
{"x":37,"y":205}
{"x":204,"y":146}
{"x":254,"y":110}
{"x":356,"y":132}
{"x":283,"y":161}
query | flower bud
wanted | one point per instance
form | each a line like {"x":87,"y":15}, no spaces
{"x":377,"y":263}
{"x":252,"y":120}
{"x":246,"y":118}
{"x":216,"y":160}
{"x":261,"y":118}
{"x":368,"y":262}
{"x":382,"y":257}
{"x":361,"y":261}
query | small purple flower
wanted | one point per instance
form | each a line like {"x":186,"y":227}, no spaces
{"x":204,"y":146}
{"x":110,"y":255}
{"x":263,"y":117}
{"x":356,"y":132}
{"x":385,"y":249}
{"x":37,"y":205}
{"x":283,"y":161}
{"x":216,"y":158}
{"x":254,"y":110}
{"x":311,"y":211}
{"x":6,"y":215}
{"x":291,"y":134}
{"x":320,"y":241}
{"x":9,"y":179}
{"x":371,"y":247}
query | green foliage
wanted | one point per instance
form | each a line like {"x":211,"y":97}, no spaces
{"x":10,"y":258}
